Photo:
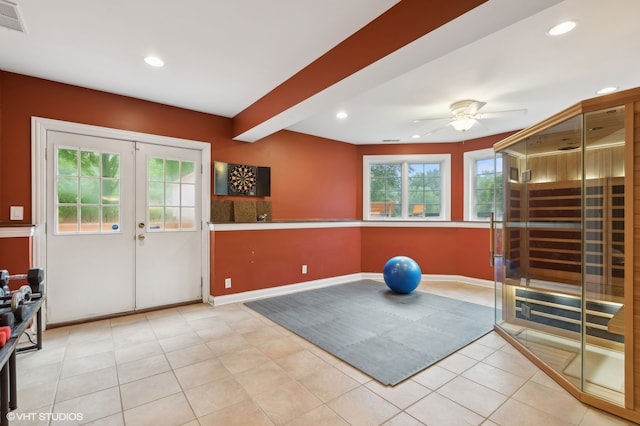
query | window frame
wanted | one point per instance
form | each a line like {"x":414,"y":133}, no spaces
{"x":404,"y":160}
{"x":470,"y":190}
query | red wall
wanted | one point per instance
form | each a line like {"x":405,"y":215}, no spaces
{"x":269,"y":258}
{"x":15,"y":257}
{"x":439,"y":251}
{"x":311,"y":177}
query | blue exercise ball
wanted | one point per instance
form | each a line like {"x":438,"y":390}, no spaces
{"x":402,"y":274}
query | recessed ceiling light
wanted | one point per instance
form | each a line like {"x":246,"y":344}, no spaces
{"x":562,"y":28}
{"x":342,"y":115}
{"x":606,"y":90}
{"x":154,"y":61}
{"x":415,"y":136}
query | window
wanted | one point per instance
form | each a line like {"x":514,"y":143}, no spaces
{"x":407,"y":187}
{"x":87,"y":191}
{"x":483,"y":184}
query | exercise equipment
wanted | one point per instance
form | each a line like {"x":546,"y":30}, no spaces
{"x":16,"y":300}
{"x":402,"y":274}
{"x":34,"y":277}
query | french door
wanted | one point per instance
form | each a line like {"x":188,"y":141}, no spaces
{"x":123,"y":226}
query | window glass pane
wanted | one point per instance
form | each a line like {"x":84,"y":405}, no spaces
{"x":488,"y":184}
{"x":89,"y":191}
{"x":385,"y":180}
{"x":110,"y":165}
{"x":89,"y":163}
{"x":110,"y":191}
{"x":172,"y":194}
{"x":110,"y":219}
{"x":188,"y":216}
{"x":67,"y":190}
{"x":424,"y":189}
{"x":67,"y":219}
{"x":172,"y":218}
{"x":68,"y":162}
{"x":156,"y":218}
{"x":156,"y":169}
{"x":188,"y":195}
{"x":89,"y":219}
{"x":156,"y":193}
{"x":172,"y":171}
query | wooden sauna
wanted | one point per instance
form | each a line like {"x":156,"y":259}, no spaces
{"x":564,"y":239}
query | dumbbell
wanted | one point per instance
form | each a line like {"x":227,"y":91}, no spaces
{"x":34,"y":277}
{"x":18,"y":308}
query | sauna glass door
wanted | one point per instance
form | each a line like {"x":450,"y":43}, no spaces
{"x":559,"y":277}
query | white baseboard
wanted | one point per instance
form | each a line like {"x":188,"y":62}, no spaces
{"x":247,"y":296}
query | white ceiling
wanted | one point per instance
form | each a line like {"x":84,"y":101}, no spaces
{"x":222,"y":56}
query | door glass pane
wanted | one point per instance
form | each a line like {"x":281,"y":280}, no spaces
{"x":156,"y":218}
{"x":171,"y":186}
{"x":89,"y":163}
{"x":89,"y":191}
{"x":67,"y":162}
{"x":81,"y":197}
{"x":110,"y":166}
{"x":156,"y":169}
{"x":156,"y":193}
{"x":187,"y":172}
{"x":173,"y":194}
{"x":188,"y":195}
{"x":89,"y":219}
{"x":110,"y":191}
{"x":188,"y":218}
{"x":67,"y":190}
{"x":172,"y":218}
{"x":110,"y":218}
{"x":67,"y":219}
{"x":172,"y":171}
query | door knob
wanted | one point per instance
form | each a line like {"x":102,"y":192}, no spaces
{"x":141,"y":225}
{"x":141,"y":236}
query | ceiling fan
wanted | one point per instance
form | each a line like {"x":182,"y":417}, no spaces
{"x":465,"y":114}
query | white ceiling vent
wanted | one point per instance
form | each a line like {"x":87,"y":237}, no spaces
{"x":9,"y":16}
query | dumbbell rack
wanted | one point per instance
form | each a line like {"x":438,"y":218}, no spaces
{"x":8,"y":379}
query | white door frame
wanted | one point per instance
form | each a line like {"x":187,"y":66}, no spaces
{"x":39,"y":128}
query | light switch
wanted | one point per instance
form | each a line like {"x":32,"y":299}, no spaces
{"x":16,"y":213}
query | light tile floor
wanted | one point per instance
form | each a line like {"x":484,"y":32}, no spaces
{"x":228,"y":365}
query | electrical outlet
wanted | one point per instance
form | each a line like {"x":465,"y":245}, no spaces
{"x":227,"y":283}
{"x":304,"y":269}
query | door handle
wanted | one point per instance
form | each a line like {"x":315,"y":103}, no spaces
{"x":141,"y":237}
{"x":491,"y":237}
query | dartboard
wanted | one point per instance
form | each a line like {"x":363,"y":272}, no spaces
{"x":242,"y":178}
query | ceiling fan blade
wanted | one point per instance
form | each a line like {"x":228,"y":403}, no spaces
{"x":499,"y":114}
{"x":422,"y":120}
{"x":437,"y":129}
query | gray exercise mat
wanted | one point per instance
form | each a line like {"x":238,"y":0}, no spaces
{"x":386,"y":335}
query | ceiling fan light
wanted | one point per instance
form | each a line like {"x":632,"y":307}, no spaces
{"x":463,"y":124}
